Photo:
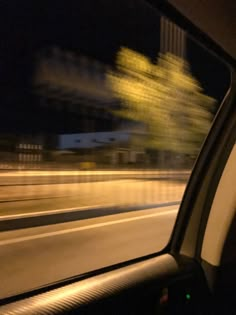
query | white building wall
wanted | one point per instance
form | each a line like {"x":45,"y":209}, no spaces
{"x":92,"y":139}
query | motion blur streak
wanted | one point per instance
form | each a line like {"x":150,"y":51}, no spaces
{"x":86,"y":246}
{"x":89,"y":227}
{"x":39,"y":193}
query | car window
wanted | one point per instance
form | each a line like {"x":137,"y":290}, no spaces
{"x":104,"y":108}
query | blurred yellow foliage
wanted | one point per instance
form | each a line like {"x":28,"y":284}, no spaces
{"x":165,"y":98}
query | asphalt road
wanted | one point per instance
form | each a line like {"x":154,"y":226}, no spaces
{"x":34,"y":257}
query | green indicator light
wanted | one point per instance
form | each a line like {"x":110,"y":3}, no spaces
{"x":188,"y":296}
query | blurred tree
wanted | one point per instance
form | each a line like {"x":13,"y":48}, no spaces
{"x":165,"y":98}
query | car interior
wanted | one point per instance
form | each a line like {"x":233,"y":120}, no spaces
{"x":195,"y":273}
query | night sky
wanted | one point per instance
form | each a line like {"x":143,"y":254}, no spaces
{"x":95,"y":28}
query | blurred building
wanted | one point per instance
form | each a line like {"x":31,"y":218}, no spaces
{"x":172,"y":38}
{"x":112,"y":147}
{"x":29,"y":150}
{"x":76,"y":87}
{"x":72,"y":100}
{"x":20,"y":151}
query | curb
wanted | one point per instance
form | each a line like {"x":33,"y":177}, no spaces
{"x":22,"y":221}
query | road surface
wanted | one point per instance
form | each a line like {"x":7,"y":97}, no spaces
{"x":34,"y":198}
{"x":34,"y":257}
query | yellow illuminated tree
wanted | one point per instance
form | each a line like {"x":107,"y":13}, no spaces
{"x":165,"y":98}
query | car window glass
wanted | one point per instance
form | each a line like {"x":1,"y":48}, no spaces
{"x":104,"y":108}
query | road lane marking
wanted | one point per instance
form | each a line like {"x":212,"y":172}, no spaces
{"x":83,"y":228}
{"x":50,"y":212}
{"x":82,"y":208}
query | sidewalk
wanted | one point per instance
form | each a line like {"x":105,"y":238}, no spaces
{"x":19,"y":173}
{"x":122,"y":193}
